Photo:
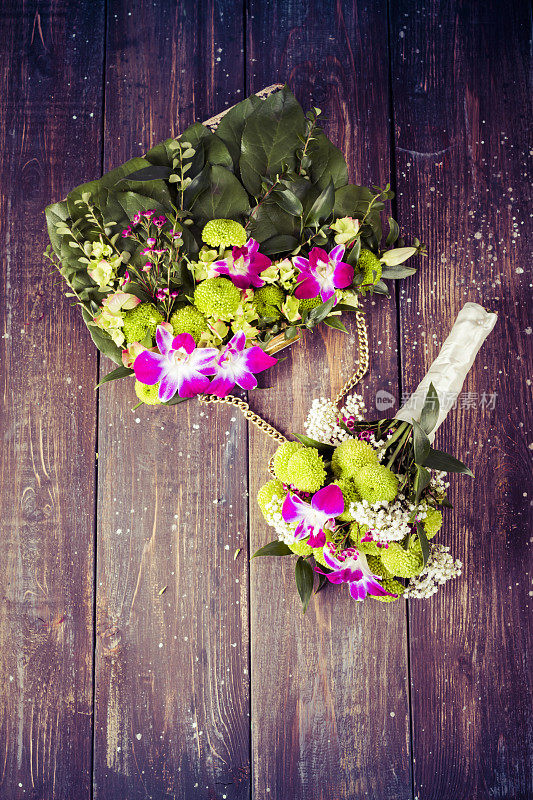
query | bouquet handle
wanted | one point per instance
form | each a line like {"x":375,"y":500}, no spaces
{"x":455,"y":359}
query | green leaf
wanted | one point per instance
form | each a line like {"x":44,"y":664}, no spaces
{"x":322,"y":446}
{"x":394,"y":232}
{"x":321,"y":312}
{"x":270,"y":220}
{"x":391,"y":258}
{"x":275,"y":548}
{"x":436,"y":459}
{"x":58,"y":212}
{"x":430,"y":411}
{"x":270,"y":139}
{"x":305,"y":581}
{"x":115,"y":375}
{"x":421,"y":444}
{"x":224,"y":196}
{"x":288,"y":201}
{"x":174,"y":401}
{"x":335,"y":322}
{"x":327,"y":163}
{"x":153,"y":172}
{"x":397,"y":272}
{"x":322,"y":207}
{"x":231,"y":126}
{"x":278,"y":244}
{"x":422,"y":479}
{"x":350,"y":199}
{"x":102,"y":340}
{"x":424,"y":544}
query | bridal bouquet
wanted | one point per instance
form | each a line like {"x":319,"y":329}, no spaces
{"x":361,"y":503}
{"x":193,"y":265}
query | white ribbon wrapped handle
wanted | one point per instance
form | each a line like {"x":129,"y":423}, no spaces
{"x":450,"y":368}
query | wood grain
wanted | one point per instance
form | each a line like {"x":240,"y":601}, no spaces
{"x":49,"y":138}
{"x":461,"y":109}
{"x":172,"y":683}
{"x":329,"y":690}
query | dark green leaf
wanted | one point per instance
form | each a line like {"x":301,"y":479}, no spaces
{"x":322,"y":207}
{"x":231,"y":126}
{"x":321,"y":312}
{"x":394,"y":232}
{"x":224,"y":197}
{"x":327,"y":163}
{"x":150,"y":173}
{"x":436,"y":459}
{"x":422,"y":479}
{"x":278,"y":244}
{"x":430,"y":411}
{"x":351,"y":199}
{"x":114,"y":375}
{"x":424,"y":544}
{"x":102,"y":340}
{"x":275,"y":548}
{"x":335,"y":322}
{"x":305,"y":581}
{"x":288,"y":202}
{"x":174,"y":401}
{"x":421,"y":444}
{"x":270,"y":139}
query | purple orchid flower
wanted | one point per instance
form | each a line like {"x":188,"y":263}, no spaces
{"x":351,"y":567}
{"x":236,"y":364}
{"x":322,"y":273}
{"x":312,"y":518}
{"x":179,"y":366}
{"x":243,"y":266}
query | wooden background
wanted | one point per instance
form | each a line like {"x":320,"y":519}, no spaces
{"x":218,"y":687}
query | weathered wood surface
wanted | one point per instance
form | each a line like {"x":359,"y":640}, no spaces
{"x":48,"y":418}
{"x":330,"y":713}
{"x":461,"y":112}
{"x":172,"y":680}
{"x":352,"y":700}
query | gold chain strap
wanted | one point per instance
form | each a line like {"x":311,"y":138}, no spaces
{"x":243,"y":406}
{"x":362,"y":367}
{"x":263,"y":425}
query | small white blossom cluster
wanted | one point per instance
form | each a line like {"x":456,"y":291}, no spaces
{"x":274,"y":518}
{"x":440,"y":568}
{"x":388,"y":522}
{"x":322,"y":422}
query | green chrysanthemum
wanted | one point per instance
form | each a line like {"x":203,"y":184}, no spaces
{"x":217,"y":297}
{"x":224,"y":232}
{"x":387,"y":580}
{"x":350,"y":494}
{"x":357,"y":533}
{"x":188,"y":320}
{"x":268,"y":300}
{"x":281,"y":459}
{"x":306,"y":471}
{"x":141,"y":320}
{"x":369,"y":263}
{"x":432,"y":522}
{"x":306,"y":304}
{"x":400,"y":562}
{"x":268,"y":492}
{"x":376,"y":483}
{"x":301,"y":548}
{"x":350,"y":456}
{"x":147,"y":394}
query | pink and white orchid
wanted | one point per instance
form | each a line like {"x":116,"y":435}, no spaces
{"x":179,"y":366}
{"x":314,"y":517}
{"x":244,"y":266}
{"x":236,"y":364}
{"x":322,"y":273}
{"x":351,"y":567}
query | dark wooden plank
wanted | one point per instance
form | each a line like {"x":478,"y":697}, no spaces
{"x":329,"y":690}
{"x":51,"y":64}
{"x":172,"y":686}
{"x":460,"y":79}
